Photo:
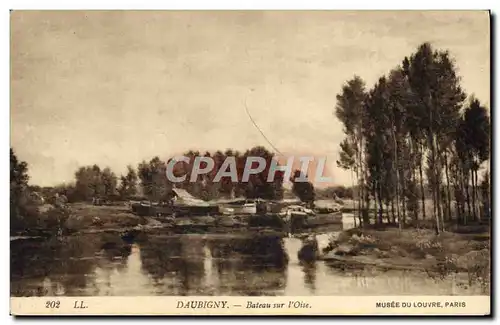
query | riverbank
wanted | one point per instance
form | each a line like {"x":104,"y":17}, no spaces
{"x":50,"y":220}
{"x":87,"y":218}
{"x":114,"y":216}
{"x":463,"y":251}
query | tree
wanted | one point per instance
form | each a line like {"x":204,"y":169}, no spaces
{"x":18,"y":174}
{"x":88,"y":182}
{"x":447,"y":101}
{"x":462,"y":166}
{"x":475,"y":128}
{"x":257,"y":185}
{"x":435,"y":84}
{"x":350,"y":110}
{"x":347,"y":161}
{"x":416,"y":71}
{"x":485,"y":194}
{"x":154,"y":182}
{"x":132,"y":180}
{"x":109,"y":183}
{"x":24,"y":202}
{"x":303,"y":190}
{"x":128,"y":183}
{"x":18,"y":190}
{"x":379,"y":155}
{"x":399,"y":98}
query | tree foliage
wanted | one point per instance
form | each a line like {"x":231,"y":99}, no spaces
{"x":303,"y":190}
{"x":93,"y":182}
{"x":257,"y":185}
{"x":128,"y":183}
{"x":18,"y":190}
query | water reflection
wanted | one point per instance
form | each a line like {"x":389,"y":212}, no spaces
{"x":309,"y":269}
{"x":197,"y":265}
{"x":174,"y":264}
{"x":105,"y":264}
{"x":56,"y":266}
{"x":249,"y":266}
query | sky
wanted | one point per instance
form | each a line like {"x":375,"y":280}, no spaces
{"x":114,"y":88}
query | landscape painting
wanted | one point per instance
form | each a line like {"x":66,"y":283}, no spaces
{"x":250,"y":153}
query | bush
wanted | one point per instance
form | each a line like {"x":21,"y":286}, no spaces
{"x":30,"y":218}
{"x":54,"y":219}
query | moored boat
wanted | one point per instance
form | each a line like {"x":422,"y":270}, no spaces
{"x":239,"y":206}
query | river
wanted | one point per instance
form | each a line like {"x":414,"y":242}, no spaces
{"x":199,"y":264}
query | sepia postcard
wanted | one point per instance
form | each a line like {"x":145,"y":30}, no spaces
{"x":250,"y":162}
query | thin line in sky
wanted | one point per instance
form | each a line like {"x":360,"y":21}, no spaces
{"x":253,"y":121}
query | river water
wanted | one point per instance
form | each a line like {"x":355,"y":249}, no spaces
{"x":200,"y":264}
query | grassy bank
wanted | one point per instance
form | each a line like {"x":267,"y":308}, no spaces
{"x":104,"y":217}
{"x":48,"y":220}
{"x":463,"y":251}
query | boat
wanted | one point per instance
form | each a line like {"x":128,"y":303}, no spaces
{"x":183,"y":204}
{"x":300,"y":217}
{"x":320,"y":219}
{"x":143,"y":208}
{"x":239,"y":206}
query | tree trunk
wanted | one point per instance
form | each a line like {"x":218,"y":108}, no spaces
{"x":388,"y":215}
{"x":362,"y":176}
{"x":434,"y":207}
{"x":467,"y":186}
{"x":460,"y":191}
{"x":488,"y":194}
{"x":437,"y":173}
{"x":448,"y":191}
{"x":375,"y":201}
{"x":422,"y":190}
{"x":365,"y":212}
{"x":458,"y":202}
{"x":380,"y":204}
{"x":413,"y":177}
{"x":434,"y":187}
{"x":368,"y":203}
{"x":477,"y":195}
{"x":396,"y":170}
{"x":474,"y":216}
{"x":358,"y":195}
{"x":353,"y":197}
{"x":393,"y":212}
{"x":403,"y":189}
{"x":403,"y":201}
